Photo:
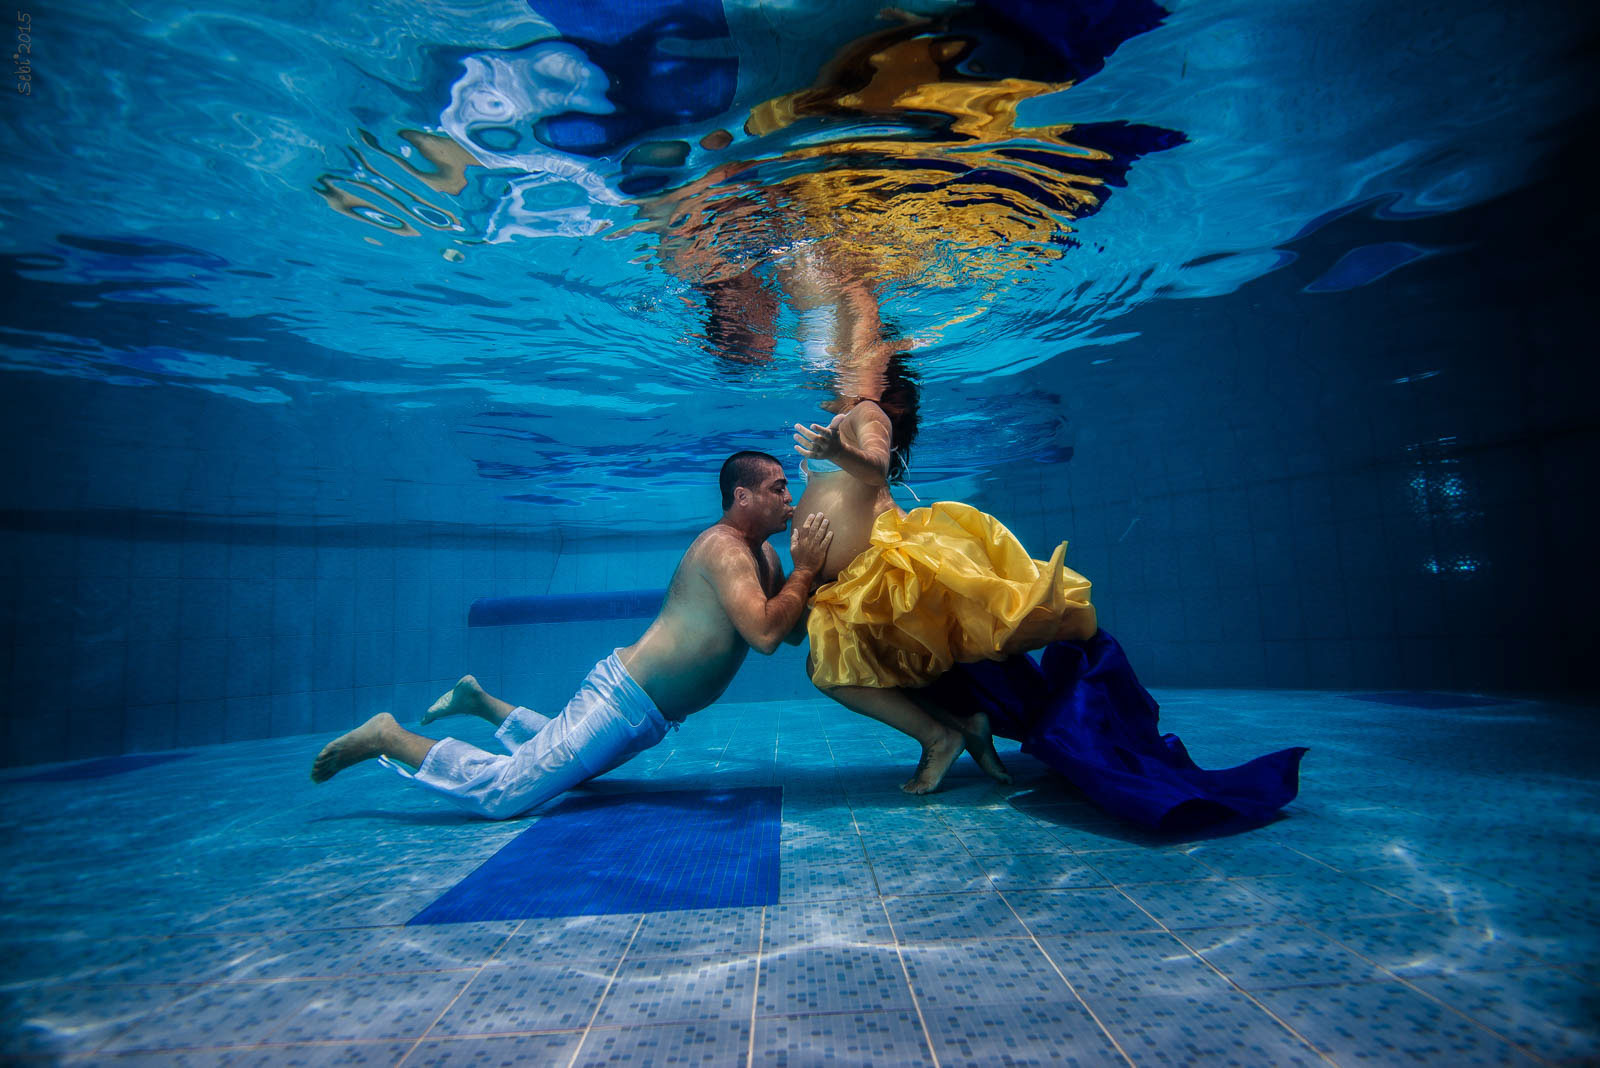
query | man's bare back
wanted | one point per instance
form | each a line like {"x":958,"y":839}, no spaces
{"x":693,"y":649}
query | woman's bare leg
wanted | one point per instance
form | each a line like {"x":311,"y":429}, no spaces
{"x":467,"y":698}
{"x":940,"y":744}
{"x":975,"y":731}
{"x":379,"y":736}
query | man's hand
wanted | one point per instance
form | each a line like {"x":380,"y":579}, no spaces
{"x":817,"y":442}
{"x":809,"y":541}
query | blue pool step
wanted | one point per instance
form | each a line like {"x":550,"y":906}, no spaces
{"x":99,"y":769}
{"x":564,"y":608}
{"x":1426,"y":699}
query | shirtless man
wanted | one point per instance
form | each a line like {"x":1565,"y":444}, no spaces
{"x":728,"y":594}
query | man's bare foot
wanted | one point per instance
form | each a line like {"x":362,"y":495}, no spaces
{"x":363,"y":743}
{"x":466,"y":698}
{"x":979,"y":737}
{"x":936,"y":760}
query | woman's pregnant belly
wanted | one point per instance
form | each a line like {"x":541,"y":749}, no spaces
{"x":851,"y":508}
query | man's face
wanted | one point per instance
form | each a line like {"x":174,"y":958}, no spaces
{"x":770,"y":500}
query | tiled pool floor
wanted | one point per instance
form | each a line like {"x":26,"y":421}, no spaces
{"x":1429,"y":898}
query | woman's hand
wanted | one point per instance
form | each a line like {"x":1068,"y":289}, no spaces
{"x":817,"y":442}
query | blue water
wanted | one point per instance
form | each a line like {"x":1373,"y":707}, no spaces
{"x":163,"y":216}
{"x":318,"y":330}
{"x":322,"y":325}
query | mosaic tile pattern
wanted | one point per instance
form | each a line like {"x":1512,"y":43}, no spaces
{"x":523,"y":997}
{"x":646,"y":852}
{"x":680,"y":989}
{"x":1006,"y":972}
{"x":1389,"y":1023}
{"x":1265,"y":958}
{"x":1203,"y":1027}
{"x":815,"y":979}
{"x":1404,"y":910}
{"x":477,"y":1052}
{"x":1131,"y":965}
{"x":827,"y":923}
{"x":710,"y":1042}
{"x":1047,"y":1033}
{"x":1040,"y":871}
{"x":1548,"y":1013}
{"x":894,"y":1038}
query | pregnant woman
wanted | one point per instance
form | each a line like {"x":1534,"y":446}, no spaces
{"x":908,"y":595}
{"x":928,"y":611}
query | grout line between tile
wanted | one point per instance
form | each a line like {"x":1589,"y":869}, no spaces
{"x":611,"y":980}
{"x":310,"y":1043}
{"x":1073,"y":990}
{"x":755,"y":992}
{"x":1406,"y":982}
{"x":916,"y":1002}
{"x":464,"y":987}
{"x":1257,"y":1002}
{"x":899,"y":951}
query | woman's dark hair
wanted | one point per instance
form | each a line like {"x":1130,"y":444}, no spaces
{"x":900,"y":400}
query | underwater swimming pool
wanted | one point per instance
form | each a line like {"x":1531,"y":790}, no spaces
{"x":1427,"y":900}
{"x":348,"y":350}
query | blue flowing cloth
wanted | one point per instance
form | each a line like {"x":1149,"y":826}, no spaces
{"x":1082,"y":711}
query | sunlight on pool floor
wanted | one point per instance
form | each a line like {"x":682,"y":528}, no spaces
{"x":1430,"y":896}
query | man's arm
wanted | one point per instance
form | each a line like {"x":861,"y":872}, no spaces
{"x":775,"y":566}
{"x":798,"y":634}
{"x":762,"y":621}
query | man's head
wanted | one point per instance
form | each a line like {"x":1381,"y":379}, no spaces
{"x":756,"y":492}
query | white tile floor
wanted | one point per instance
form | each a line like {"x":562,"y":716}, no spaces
{"x":1429,"y":898}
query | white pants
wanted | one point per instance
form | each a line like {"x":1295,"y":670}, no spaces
{"x":608,"y":721}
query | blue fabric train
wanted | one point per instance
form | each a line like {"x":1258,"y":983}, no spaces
{"x":668,"y":62}
{"x":1082,"y":711}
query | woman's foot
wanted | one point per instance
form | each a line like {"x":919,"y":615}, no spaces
{"x":979,"y":737}
{"x":936,"y":760}
{"x":466,"y":698}
{"x":365,"y":742}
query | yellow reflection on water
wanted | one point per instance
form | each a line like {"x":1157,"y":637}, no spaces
{"x":895,"y":157}
{"x":903,"y":162}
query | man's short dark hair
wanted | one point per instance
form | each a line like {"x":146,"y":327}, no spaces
{"x":745,"y":469}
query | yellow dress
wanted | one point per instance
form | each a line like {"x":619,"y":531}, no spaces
{"x":946,"y":584}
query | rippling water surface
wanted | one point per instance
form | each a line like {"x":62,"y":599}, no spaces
{"x":606,"y":243}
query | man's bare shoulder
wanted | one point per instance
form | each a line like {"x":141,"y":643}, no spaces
{"x":715,"y":545}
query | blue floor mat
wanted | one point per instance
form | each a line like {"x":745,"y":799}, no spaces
{"x":1424,"y":699}
{"x":652,"y":852}
{"x":99,"y":769}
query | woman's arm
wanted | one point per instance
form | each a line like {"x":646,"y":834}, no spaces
{"x":859,"y":443}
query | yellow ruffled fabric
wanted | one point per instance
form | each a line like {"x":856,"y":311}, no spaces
{"x":946,"y":584}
